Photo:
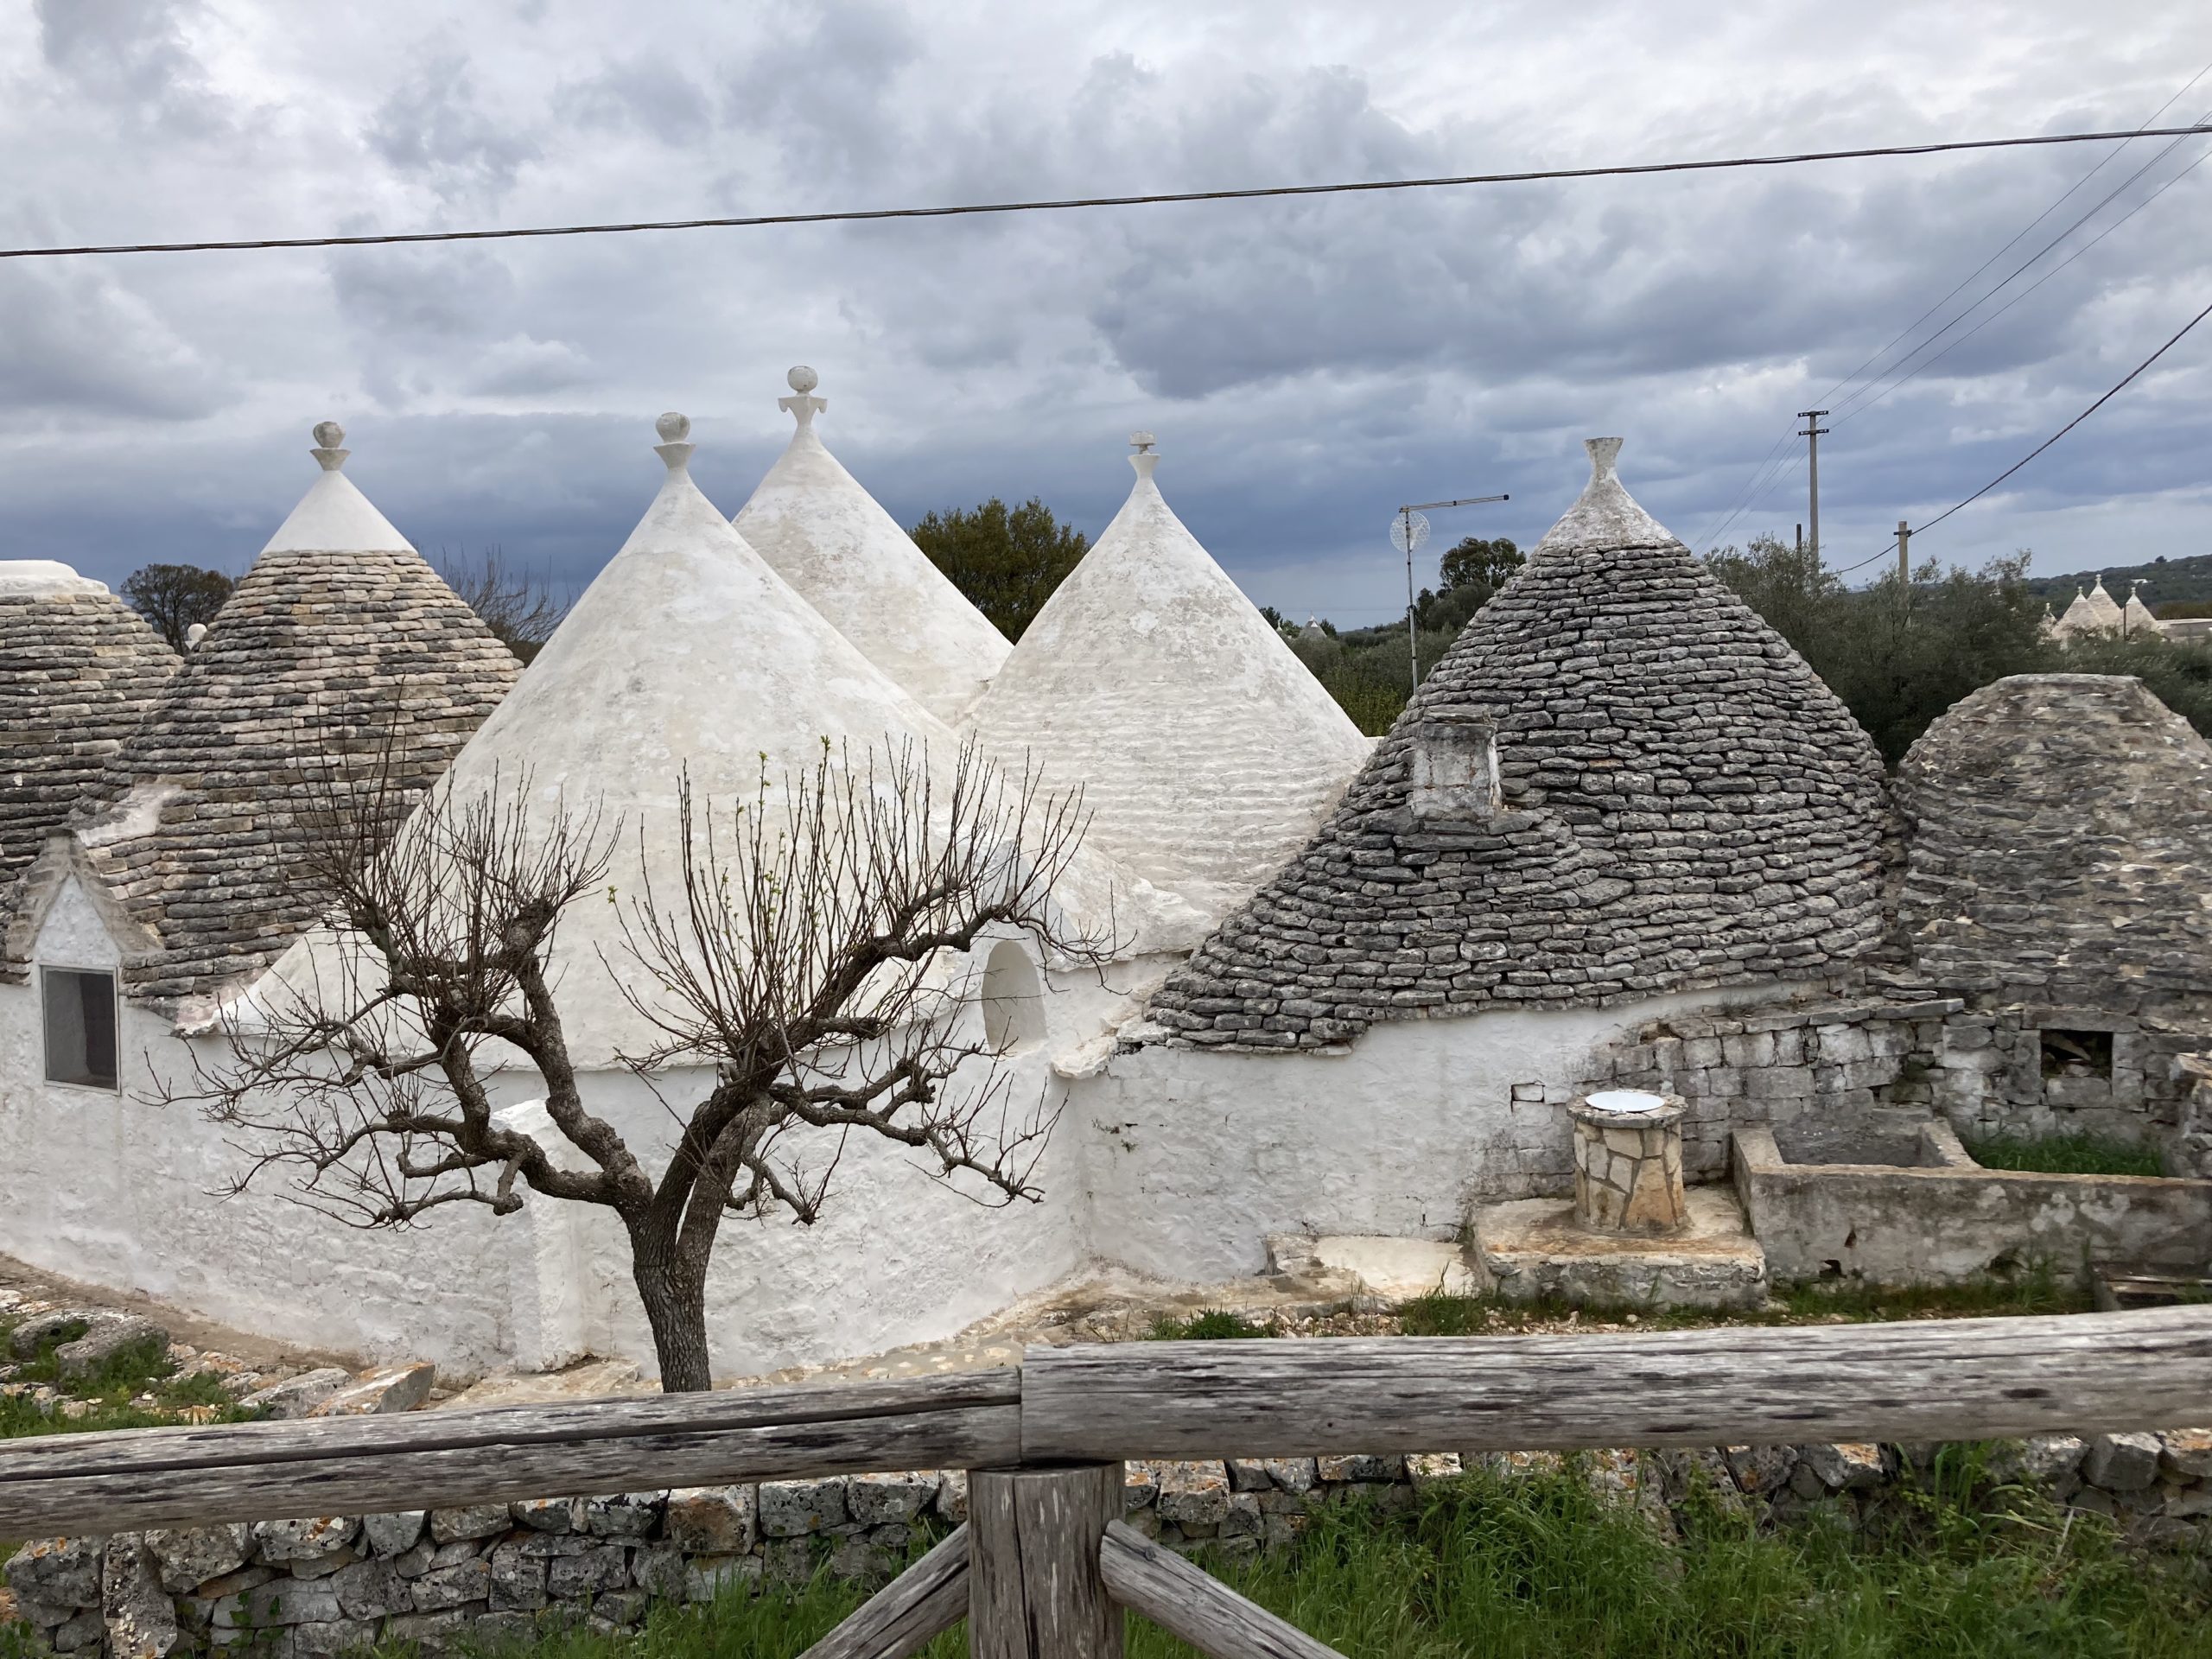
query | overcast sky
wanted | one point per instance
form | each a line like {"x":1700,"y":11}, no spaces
{"x":1306,"y":364}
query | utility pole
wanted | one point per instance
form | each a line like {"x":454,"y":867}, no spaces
{"x":1812,"y":436}
{"x":1408,"y":530}
{"x":1801,"y":538}
{"x":1904,"y":564}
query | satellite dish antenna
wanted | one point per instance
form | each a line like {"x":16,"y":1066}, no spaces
{"x":1408,"y":530}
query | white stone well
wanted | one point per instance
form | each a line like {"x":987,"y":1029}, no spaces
{"x":1628,"y":1162}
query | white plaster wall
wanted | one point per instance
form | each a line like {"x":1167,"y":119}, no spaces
{"x":109,"y":1188}
{"x":897,"y":1257}
{"x":1194,"y":1157}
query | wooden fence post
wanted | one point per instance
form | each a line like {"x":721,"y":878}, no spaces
{"x":1035,"y":1589}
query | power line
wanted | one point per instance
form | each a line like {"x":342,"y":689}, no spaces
{"x":1931,"y":362}
{"x":862,"y":215}
{"x":2116,"y":389}
{"x":2018,"y":237}
{"x":1773,"y":468}
{"x":1868,"y":396}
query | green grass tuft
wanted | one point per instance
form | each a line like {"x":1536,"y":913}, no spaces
{"x":1214,"y":1325}
{"x":2067,"y":1155}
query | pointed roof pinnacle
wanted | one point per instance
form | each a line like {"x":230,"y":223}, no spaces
{"x":673,"y":428}
{"x":1603,"y":453}
{"x":1147,"y":456}
{"x":802,"y":406}
{"x":328,"y":435}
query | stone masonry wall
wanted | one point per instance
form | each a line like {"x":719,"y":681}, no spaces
{"x":292,"y":1589}
{"x":1816,"y":1069}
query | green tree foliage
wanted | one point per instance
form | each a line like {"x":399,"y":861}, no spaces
{"x":1006,"y":560}
{"x":1898,"y":662}
{"x":172,"y":597}
{"x":1476,"y":563}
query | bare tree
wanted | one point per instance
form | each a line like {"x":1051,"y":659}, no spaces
{"x":519,"y":607}
{"x":813,"y":956}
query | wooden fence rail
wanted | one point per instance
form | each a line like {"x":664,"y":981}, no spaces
{"x":1043,"y":1555}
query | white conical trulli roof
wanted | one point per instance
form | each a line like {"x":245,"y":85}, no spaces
{"x":2103,"y":608}
{"x":828,"y":537}
{"x":2138,"y":621}
{"x":1209,"y":754}
{"x":687,"y":654}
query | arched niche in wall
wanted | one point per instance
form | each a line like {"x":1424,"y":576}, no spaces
{"x":1014,"y":1011}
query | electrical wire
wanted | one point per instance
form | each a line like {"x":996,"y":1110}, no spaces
{"x":1868,"y":396}
{"x":1765,"y":477}
{"x":864,"y":215}
{"x":2124,"y":381}
{"x":1931,"y":362}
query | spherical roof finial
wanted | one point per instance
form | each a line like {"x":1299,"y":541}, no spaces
{"x":329,"y":434}
{"x":673,"y":428}
{"x":802,"y":380}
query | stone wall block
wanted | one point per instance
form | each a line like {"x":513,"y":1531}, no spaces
{"x":887,"y":1499}
{"x":393,"y":1534}
{"x":188,"y":1557}
{"x":713,"y":1520}
{"x":468,"y":1521}
{"x":2122,"y":1463}
{"x":791,"y":1508}
{"x":623,"y":1515}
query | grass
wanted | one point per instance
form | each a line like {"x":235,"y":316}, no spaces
{"x":1213,"y":1324}
{"x":2067,"y":1155}
{"x":1515,"y":1567}
{"x":107,"y":1396}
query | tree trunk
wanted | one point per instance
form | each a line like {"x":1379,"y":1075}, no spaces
{"x":676,"y":1306}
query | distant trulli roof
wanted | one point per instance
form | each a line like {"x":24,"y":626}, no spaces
{"x":2101,"y":605}
{"x":79,"y":670}
{"x":2078,"y":618}
{"x":339,"y":627}
{"x":826,"y":536}
{"x":687,"y":654}
{"x":1208,"y":752}
{"x":1620,"y":782}
{"x":2138,"y":618}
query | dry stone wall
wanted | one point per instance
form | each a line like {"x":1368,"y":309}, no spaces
{"x":1820,"y":1067}
{"x":307,"y":1588}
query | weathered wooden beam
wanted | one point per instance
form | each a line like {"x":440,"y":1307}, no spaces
{"x":193,"y":1477}
{"x":1033,"y":1586}
{"x":1911,"y":1380}
{"x":903,"y":1617}
{"x":1184,"y":1602}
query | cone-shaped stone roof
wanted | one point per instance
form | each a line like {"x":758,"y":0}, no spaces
{"x":2079,"y":618}
{"x":341,"y":635}
{"x":2102,"y":607}
{"x":687,"y":654}
{"x":1207,"y":751}
{"x":79,"y":670}
{"x":2137,"y":620}
{"x":829,"y":539}
{"x":1619,"y":783}
{"x":2058,"y":830}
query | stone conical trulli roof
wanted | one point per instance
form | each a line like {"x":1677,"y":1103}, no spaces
{"x":2137,"y":620}
{"x":1619,"y":783}
{"x":79,"y":670}
{"x":2079,"y":618}
{"x":2058,"y":830}
{"x":827,"y":537}
{"x":1207,"y":751}
{"x":340,"y":638}
{"x":2105,"y":612}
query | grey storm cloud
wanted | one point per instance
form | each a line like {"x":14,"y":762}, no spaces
{"x":1308,"y":363}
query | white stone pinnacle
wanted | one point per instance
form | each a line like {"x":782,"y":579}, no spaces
{"x":328,"y":435}
{"x":673,"y":428}
{"x":1603,"y":453}
{"x":1146,"y":457}
{"x":801,"y":407}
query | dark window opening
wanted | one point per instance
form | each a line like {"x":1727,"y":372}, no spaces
{"x":80,"y":1026}
{"x":2077,"y":1054}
